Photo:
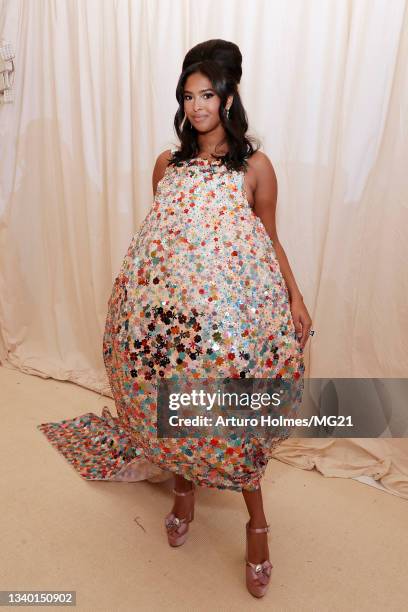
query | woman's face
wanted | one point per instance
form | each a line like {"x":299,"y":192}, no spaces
{"x":201,"y":103}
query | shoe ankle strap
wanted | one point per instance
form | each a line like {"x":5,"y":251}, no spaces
{"x":258,"y":529}
{"x":181,"y":493}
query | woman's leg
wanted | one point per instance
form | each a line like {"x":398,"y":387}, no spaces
{"x":182,"y":503}
{"x":258,"y":550}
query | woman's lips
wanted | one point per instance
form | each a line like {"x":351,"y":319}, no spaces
{"x":201,"y":118}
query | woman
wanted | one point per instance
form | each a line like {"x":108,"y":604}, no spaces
{"x":206,"y":290}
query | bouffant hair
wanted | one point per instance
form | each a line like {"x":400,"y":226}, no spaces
{"x":221,"y":62}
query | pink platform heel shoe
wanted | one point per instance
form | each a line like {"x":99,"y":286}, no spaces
{"x":177,"y":528}
{"x":257,"y":574}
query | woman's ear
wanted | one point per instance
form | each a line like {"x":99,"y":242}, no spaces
{"x":229,"y":101}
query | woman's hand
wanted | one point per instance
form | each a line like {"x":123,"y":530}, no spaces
{"x":301,"y":319}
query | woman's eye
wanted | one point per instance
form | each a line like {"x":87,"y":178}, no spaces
{"x":206,"y":96}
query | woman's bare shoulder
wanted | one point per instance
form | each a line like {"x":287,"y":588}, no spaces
{"x":262,"y":167}
{"x":160,"y":166}
{"x":260,"y":161}
{"x":163,"y":159}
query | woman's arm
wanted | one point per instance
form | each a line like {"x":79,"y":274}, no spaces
{"x":266,"y":193}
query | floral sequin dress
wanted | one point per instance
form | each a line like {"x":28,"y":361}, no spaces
{"x":199,"y":294}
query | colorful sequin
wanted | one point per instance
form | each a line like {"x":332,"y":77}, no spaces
{"x":199,"y":294}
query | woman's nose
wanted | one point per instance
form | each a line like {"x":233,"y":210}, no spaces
{"x":197,"y":104}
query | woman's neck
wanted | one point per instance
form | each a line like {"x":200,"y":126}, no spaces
{"x":212,"y":145}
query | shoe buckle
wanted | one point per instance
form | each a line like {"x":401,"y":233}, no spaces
{"x":263,"y":571}
{"x":173,"y":523}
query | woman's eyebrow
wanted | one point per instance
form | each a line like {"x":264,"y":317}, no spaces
{"x":201,"y":90}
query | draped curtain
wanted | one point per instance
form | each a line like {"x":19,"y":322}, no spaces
{"x":325,"y":87}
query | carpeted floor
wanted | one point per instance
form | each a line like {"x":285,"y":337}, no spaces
{"x":335,"y":544}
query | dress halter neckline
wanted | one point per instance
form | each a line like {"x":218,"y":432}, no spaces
{"x":204,"y":161}
{"x":200,"y":161}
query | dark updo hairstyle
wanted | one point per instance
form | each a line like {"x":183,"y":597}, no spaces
{"x":220,"y":61}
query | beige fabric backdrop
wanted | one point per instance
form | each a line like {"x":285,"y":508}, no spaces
{"x":325,"y":85}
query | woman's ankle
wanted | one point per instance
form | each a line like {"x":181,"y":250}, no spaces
{"x":258,"y":521}
{"x":182,"y":505}
{"x":182,"y":484}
